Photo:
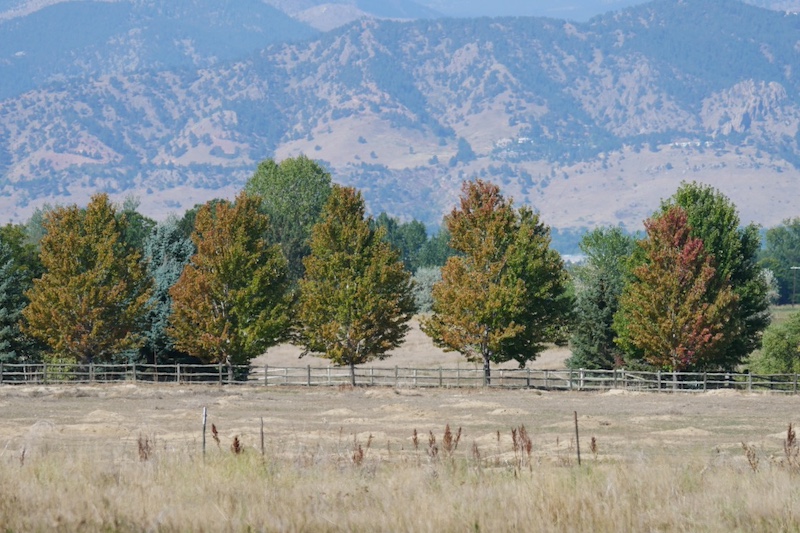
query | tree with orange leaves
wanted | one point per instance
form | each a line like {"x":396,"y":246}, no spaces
{"x":667,"y":312}
{"x":230,"y":303}
{"x":503,"y":296}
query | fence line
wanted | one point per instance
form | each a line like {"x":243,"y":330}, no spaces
{"x":563,"y":379}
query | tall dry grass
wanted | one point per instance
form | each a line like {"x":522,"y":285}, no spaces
{"x":360,"y":486}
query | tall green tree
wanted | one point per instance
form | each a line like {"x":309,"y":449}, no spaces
{"x":599,"y":283}
{"x":407,"y":237}
{"x":713,"y":218}
{"x":781,"y":351}
{"x":293,"y":193}
{"x":11,"y":305}
{"x":669,"y":311}
{"x":89,"y":303}
{"x":230,"y":303}
{"x":504,"y":296}
{"x":166,"y":251}
{"x":355,"y":298}
{"x":782,"y":252}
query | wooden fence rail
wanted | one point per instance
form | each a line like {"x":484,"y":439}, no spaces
{"x":564,"y":379}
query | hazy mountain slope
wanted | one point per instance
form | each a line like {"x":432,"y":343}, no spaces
{"x":79,"y":39}
{"x":591,"y":123}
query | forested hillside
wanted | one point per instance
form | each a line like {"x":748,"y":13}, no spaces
{"x":591,"y":123}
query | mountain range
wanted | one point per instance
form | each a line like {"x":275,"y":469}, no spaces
{"x":590,"y":122}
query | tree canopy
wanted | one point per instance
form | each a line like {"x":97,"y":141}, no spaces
{"x":599,"y":283}
{"x":668,"y":311}
{"x":782,"y":252}
{"x":89,"y":302}
{"x":355,"y":297}
{"x":504,"y":295}
{"x":230,"y":303}
{"x":713,"y":218}
{"x":293,"y":193}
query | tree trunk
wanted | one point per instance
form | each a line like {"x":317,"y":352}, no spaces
{"x":353,"y":373}
{"x":487,"y":371}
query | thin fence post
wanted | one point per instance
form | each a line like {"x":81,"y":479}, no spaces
{"x":440,"y":377}
{"x":705,"y":381}
{"x":749,"y":382}
{"x":155,"y":370}
{"x":415,"y":377}
{"x":1,"y":374}
{"x":44,"y":373}
{"x":133,"y":365}
{"x":570,"y":379}
{"x":658,"y":377}
{"x":372,"y":375}
{"x":529,"y":378}
{"x":615,"y":378}
{"x":219,"y":371}
{"x":582,"y":376}
{"x":178,"y":373}
{"x":546,"y":380}
{"x":308,"y":377}
{"x":396,"y":376}
{"x":266,"y":375}
{"x":91,"y":372}
{"x":285,"y":376}
{"x":205,"y":417}
{"x":794,"y":388}
{"x":577,"y":438}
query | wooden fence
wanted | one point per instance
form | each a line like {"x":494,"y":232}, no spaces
{"x":579,"y":380}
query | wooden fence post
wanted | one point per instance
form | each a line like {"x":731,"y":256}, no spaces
{"x":577,"y":438}
{"x":658,"y":377}
{"x":546,"y":380}
{"x":308,"y":377}
{"x":205,"y":417}
{"x":266,"y":375}
{"x":396,"y":376}
{"x":219,"y":372}
{"x":415,"y":377}
{"x":1,"y":373}
{"x":794,"y":388}
{"x":440,"y":377}
{"x":91,"y":372}
{"x":133,"y":365}
{"x":749,"y":382}
{"x":529,"y":378}
{"x":705,"y":381}
{"x":372,"y":375}
{"x":178,"y":373}
{"x":44,"y":373}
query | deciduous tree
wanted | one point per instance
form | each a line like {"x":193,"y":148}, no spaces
{"x":293,"y":194}
{"x":668,"y":311}
{"x":782,"y":252}
{"x":230,"y":303}
{"x":355,"y":298}
{"x":713,"y":218}
{"x":89,"y":303}
{"x":504,"y":296}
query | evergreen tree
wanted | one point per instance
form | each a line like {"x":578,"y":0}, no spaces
{"x":668,"y":311}
{"x":782,"y":252}
{"x":599,"y":284}
{"x":505,"y":295}
{"x":167,"y":251}
{"x":293,"y":194}
{"x":408,"y":238}
{"x":89,"y":303}
{"x":355,"y":298}
{"x":11,"y":304}
{"x":229,"y":304}
{"x":713,"y":219}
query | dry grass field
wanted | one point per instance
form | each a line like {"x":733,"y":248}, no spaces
{"x":129,"y":458}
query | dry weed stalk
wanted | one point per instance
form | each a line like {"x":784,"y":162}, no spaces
{"x":593,"y":447}
{"x":522,"y":445}
{"x":145,"y":447}
{"x":791,"y":448}
{"x":236,"y":445}
{"x":450,"y":443}
{"x":751,"y":455}
{"x":433,"y":449}
{"x":22,"y":458}
{"x":358,"y":454}
{"x":415,"y":439}
{"x":215,"y":434}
